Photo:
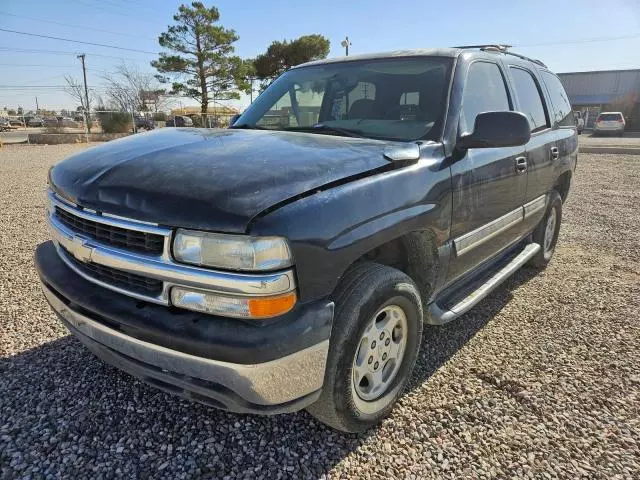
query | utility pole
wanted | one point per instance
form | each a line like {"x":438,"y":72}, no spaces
{"x":346,"y":43}
{"x":86,"y":93}
{"x":37,"y":107}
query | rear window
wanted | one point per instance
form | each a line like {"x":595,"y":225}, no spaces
{"x":608,"y":117}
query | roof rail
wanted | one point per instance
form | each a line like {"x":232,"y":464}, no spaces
{"x":501,"y":48}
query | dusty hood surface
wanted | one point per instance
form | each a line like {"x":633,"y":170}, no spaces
{"x":208,"y":179}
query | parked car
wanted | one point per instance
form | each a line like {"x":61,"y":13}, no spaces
{"x":609,"y":123}
{"x":283,"y":265}
{"x":36,"y":122}
{"x":67,"y":122}
{"x":50,"y":122}
{"x":144,"y":123}
{"x":4,"y":124}
{"x":179,"y":121}
{"x":579,"y":122}
{"x":16,"y":122}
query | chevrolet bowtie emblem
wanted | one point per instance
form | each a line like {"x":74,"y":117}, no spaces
{"x":81,"y":250}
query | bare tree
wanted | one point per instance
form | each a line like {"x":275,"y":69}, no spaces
{"x":130,"y":88}
{"x":75,"y":89}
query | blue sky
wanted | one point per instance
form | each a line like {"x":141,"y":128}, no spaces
{"x":559,"y":32}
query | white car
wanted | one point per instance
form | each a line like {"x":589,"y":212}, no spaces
{"x":609,"y":123}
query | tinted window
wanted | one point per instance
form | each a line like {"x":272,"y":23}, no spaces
{"x":559,"y":99}
{"x":484,"y":91}
{"x":529,"y":98}
{"x":610,"y":117}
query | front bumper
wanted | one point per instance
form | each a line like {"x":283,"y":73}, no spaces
{"x":241,"y":376}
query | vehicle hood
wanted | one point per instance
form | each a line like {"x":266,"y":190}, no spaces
{"x":209,"y":179}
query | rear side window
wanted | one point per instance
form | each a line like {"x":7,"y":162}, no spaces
{"x":485,"y":91}
{"x":529,"y":98}
{"x":561,"y":105}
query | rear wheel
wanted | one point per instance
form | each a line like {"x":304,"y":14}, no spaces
{"x":374,"y":346}
{"x":546,"y":233}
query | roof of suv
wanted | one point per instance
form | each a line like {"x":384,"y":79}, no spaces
{"x":511,"y":57}
{"x":423,"y":52}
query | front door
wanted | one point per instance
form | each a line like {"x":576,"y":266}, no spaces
{"x":488,"y":184}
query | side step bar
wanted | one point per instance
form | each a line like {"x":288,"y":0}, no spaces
{"x":438,"y":316}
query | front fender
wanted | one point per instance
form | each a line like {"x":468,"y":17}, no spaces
{"x":331,"y":229}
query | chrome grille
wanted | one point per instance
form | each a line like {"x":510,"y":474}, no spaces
{"x":112,"y":235}
{"x":118,"y":278}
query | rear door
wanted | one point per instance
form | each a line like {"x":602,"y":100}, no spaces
{"x":541,"y":150}
{"x":564,"y":134}
{"x":488,"y":188}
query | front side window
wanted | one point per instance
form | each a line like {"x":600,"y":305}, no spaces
{"x":485,"y":91}
{"x":559,"y":99}
{"x":529,"y":98}
{"x":397,"y":99}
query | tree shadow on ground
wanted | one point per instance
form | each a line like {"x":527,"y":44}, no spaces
{"x":62,"y":408}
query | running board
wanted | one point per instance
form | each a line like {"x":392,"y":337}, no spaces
{"x":439,"y":316}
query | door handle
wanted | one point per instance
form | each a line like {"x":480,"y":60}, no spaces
{"x":555,"y":153}
{"x":521,"y":164}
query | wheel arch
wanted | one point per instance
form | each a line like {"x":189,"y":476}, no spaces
{"x":563,"y":184}
{"x":414,"y":253}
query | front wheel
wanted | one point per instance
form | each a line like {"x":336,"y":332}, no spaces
{"x":547,"y":231}
{"x":373,"y":348}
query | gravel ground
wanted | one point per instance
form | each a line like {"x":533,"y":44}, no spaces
{"x":540,"y":380}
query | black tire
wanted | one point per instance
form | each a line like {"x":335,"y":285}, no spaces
{"x":543,"y":257}
{"x":363,"y":291}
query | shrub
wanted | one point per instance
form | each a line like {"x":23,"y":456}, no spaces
{"x":115,"y":122}
{"x":160,"y":117}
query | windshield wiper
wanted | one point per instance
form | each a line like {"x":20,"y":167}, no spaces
{"x":248,"y":126}
{"x":321,"y":127}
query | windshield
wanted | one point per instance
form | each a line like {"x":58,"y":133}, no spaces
{"x":397,"y":99}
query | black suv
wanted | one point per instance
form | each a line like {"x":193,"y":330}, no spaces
{"x":290,"y":262}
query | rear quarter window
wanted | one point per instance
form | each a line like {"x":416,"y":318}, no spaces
{"x":561,"y":106}
{"x":529,"y":98}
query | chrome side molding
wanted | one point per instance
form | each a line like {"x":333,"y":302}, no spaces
{"x":534,"y":206}
{"x":484,"y":233}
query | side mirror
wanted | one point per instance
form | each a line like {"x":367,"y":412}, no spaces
{"x":233,"y":119}
{"x":497,"y":129}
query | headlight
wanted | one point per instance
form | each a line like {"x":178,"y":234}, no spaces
{"x":233,"y":252}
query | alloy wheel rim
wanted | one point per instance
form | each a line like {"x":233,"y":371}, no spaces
{"x":380,"y":352}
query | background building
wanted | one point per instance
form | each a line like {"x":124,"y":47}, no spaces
{"x":607,"y":90}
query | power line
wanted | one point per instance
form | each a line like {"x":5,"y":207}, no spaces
{"x":580,"y":41}
{"x":70,"y":25}
{"x":60,"y":52}
{"x":34,"y":65}
{"x":77,"y":41}
{"x":128,"y":15}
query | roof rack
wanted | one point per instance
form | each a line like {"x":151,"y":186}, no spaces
{"x":501,"y":48}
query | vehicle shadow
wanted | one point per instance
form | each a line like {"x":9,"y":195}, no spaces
{"x":58,"y":401}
